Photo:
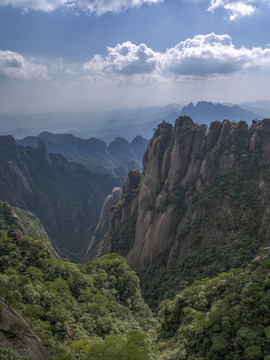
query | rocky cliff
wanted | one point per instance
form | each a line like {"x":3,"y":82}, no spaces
{"x":201,"y":188}
{"x":16,"y":335}
{"x":101,"y":229}
{"x":66,"y":197}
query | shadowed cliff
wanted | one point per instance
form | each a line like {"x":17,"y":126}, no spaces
{"x":66,"y":197}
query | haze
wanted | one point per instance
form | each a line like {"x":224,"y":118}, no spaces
{"x":87,"y":55}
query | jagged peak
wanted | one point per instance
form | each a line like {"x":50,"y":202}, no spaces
{"x":183,"y":161}
{"x":9,"y":139}
{"x":44,"y":152}
{"x":164,"y":128}
{"x":266,"y":121}
{"x":189,"y":106}
{"x":42,"y":147}
{"x":184,"y":122}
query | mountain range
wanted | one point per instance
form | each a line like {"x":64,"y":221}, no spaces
{"x":115,"y":159}
{"x":106,"y":125}
{"x":259,"y":107}
{"x":125,"y":123}
{"x":205,"y":112}
{"x":66,"y":197}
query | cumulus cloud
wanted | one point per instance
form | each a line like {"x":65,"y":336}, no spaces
{"x":237,"y":8}
{"x":13,"y":65}
{"x":97,"y":7}
{"x":125,"y":59}
{"x":203,"y":56}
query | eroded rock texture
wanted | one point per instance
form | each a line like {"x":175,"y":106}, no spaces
{"x":200,"y":187}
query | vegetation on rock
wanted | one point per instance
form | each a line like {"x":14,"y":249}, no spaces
{"x":89,"y":311}
{"x":201,"y":207}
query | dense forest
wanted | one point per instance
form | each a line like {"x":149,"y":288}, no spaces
{"x":79,"y":311}
{"x":96,"y":310}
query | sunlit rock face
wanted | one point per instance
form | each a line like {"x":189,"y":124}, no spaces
{"x":201,"y":186}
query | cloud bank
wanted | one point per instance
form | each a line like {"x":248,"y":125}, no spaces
{"x":97,"y":7}
{"x":236,"y":8}
{"x":15,"y":66}
{"x":203,"y":56}
{"x":43,"y":5}
{"x":100,"y":7}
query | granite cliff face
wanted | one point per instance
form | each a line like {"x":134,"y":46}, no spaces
{"x":200,"y":187}
{"x":103,"y":224}
{"x":26,"y":343}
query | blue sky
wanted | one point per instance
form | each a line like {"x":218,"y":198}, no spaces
{"x":80,"y":55}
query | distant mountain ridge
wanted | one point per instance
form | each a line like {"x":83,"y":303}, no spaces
{"x":205,"y":112}
{"x":125,"y":123}
{"x":66,"y":197}
{"x":115,"y":159}
{"x":106,"y":125}
{"x":260,"y":107}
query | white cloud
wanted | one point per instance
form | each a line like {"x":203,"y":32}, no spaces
{"x":97,"y":7}
{"x":13,"y":65}
{"x":125,"y":59}
{"x":211,"y":54}
{"x":71,"y":72}
{"x":237,"y":8}
{"x":43,"y":5}
{"x":203,"y":56}
{"x":100,"y":7}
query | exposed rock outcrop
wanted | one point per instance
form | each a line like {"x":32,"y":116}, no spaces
{"x":25,"y":341}
{"x":200,"y":187}
{"x":103,"y":224}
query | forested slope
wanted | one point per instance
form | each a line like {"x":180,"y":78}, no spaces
{"x":226,"y":318}
{"x":95,"y":311}
{"x":89,"y":311}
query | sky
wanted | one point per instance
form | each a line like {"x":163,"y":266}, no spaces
{"x":85,"y":55}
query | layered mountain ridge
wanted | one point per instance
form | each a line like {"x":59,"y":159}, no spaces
{"x":66,"y":197}
{"x":115,"y":159}
{"x":205,"y":112}
{"x":201,"y":188}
